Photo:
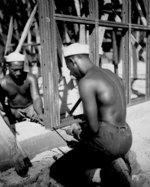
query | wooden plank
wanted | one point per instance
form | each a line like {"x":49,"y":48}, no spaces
{"x":75,"y":19}
{"x":128,"y":73}
{"x":9,"y":35}
{"x":115,"y":52}
{"x":94,"y":36}
{"x":82,"y":28}
{"x":64,"y":70}
{"x":102,"y":29}
{"x":148,"y":53}
{"x":125,"y":50}
{"x":49,"y":62}
{"x":143,"y":20}
{"x":26,"y":29}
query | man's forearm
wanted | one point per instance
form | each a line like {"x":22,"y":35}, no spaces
{"x":84,"y":134}
{"x":38,"y":106}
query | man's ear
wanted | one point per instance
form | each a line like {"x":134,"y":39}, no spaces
{"x":71,"y":60}
{"x":7,"y":65}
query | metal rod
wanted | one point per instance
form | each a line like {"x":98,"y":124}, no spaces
{"x":60,"y":134}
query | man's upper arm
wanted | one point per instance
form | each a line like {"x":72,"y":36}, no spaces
{"x":2,"y":94}
{"x":88,"y":96}
{"x":2,"y":97}
{"x":33,"y":87}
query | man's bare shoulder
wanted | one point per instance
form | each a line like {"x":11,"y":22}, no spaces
{"x":4,"y":80}
{"x":86,"y":82}
{"x":31,"y":76}
{"x":87,"y":86}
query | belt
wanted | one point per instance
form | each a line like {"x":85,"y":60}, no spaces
{"x":121,"y":127}
{"x":117,"y":126}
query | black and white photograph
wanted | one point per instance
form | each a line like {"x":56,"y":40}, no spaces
{"x":75,"y":93}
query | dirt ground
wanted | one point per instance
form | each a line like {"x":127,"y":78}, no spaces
{"x":38,"y":175}
{"x":139,"y":121}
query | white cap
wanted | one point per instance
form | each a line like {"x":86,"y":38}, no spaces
{"x":75,"y":49}
{"x":14,"y":56}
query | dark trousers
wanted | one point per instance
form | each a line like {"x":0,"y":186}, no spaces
{"x":72,"y":168}
{"x":111,"y":143}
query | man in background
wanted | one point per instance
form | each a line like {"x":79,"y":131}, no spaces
{"x":20,"y":96}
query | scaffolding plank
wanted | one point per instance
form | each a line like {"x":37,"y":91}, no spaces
{"x":49,"y":62}
{"x":26,"y":29}
{"x":94,"y":36}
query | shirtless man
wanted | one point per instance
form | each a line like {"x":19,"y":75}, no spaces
{"x":106,"y":135}
{"x":20,"y":88}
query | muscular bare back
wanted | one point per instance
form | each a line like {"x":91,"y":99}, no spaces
{"x":103,"y":93}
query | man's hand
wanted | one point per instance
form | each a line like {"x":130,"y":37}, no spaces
{"x":38,"y":118}
{"x":76,"y":134}
{"x":41,"y":119}
{"x":70,"y":130}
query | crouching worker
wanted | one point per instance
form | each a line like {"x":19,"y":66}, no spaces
{"x":106,"y":135}
{"x":20,"y":88}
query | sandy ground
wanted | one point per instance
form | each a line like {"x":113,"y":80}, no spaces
{"x":139,"y":121}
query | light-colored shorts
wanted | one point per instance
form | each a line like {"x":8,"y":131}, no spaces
{"x":25,"y":113}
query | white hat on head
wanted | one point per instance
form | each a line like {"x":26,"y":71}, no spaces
{"x":75,"y":49}
{"x":14,"y":56}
